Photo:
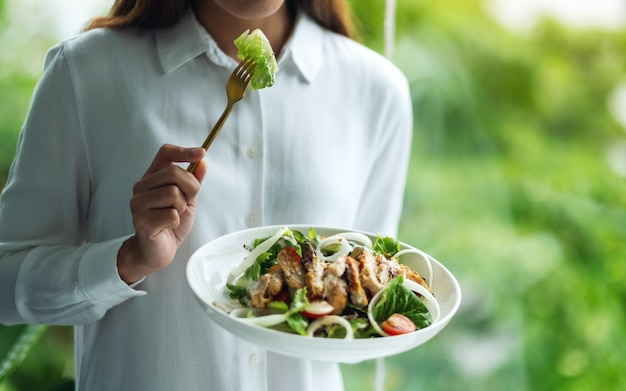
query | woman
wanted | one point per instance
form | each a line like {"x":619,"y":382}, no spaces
{"x":118,"y":110}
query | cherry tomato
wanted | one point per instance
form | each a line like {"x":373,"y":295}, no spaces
{"x":398,"y":324}
{"x":317,"y":308}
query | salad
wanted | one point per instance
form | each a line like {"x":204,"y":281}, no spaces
{"x":254,"y":45}
{"x":340,"y":286}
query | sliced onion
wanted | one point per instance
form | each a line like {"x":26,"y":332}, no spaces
{"x":241,"y":314}
{"x":357,"y":237}
{"x":254,"y":254}
{"x":328,"y":320}
{"x":343,"y":251}
{"x":423,"y":255}
{"x":370,"y":314}
{"x":343,"y":239}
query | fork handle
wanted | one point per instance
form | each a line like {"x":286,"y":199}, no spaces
{"x":209,"y":139}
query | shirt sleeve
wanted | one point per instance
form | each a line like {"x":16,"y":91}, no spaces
{"x":48,"y":273}
{"x":381,"y":203}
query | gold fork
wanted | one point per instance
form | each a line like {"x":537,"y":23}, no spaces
{"x":236,"y":86}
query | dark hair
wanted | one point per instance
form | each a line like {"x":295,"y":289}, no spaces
{"x":335,"y":15}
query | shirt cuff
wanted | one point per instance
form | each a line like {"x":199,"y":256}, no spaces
{"x":98,"y":276}
{"x":134,"y":284}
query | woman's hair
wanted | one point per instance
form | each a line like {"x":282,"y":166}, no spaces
{"x":335,"y":15}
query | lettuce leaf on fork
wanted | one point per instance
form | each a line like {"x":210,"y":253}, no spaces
{"x":254,"y":45}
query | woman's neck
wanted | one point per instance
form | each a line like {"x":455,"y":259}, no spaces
{"x":224,"y":27}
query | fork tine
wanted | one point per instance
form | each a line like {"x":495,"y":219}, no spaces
{"x":249,"y":63}
{"x":240,"y":66}
{"x":246,"y":68}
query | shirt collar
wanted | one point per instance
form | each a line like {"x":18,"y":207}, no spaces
{"x":305,"y":48}
{"x":187,"y":40}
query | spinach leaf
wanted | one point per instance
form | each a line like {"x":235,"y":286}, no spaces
{"x":386,"y":246}
{"x":398,"y":299}
{"x":236,"y":292}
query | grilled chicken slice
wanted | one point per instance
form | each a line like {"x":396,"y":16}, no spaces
{"x":314,"y":276}
{"x":413,"y":276}
{"x":293,"y":269}
{"x":267,"y":287}
{"x":358,"y":297}
{"x":368,"y":267}
{"x":383,"y":269}
{"x":388,"y":269}
{"x":335,"y":287}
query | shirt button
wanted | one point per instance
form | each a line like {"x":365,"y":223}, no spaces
{"x":252,"y":152}
{"x":251,"y":221}
{"x":254,"y":360}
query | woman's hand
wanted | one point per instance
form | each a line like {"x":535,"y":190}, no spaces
{"x":163,"y":208}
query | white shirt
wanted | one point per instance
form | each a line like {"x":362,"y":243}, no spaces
{"x":328,"y":144}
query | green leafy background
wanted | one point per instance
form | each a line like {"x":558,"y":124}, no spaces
{"x":510,"y":186}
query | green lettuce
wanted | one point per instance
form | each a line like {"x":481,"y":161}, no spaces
{"x":295,"y":321}
{"x":398,"y":299}
{"x":386,"y":246}
{"x":254,"y":45}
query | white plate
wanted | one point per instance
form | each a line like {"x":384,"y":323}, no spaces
{"x":208,"y":269}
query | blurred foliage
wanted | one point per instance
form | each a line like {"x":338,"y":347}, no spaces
{"x":509,"y":187}
{"x":48,"y":365}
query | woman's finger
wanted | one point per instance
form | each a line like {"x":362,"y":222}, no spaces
{"x":172,"y":175}
{"x":169,"y":154}
{"x":163,"y":197}
{"x":200,"y":170}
